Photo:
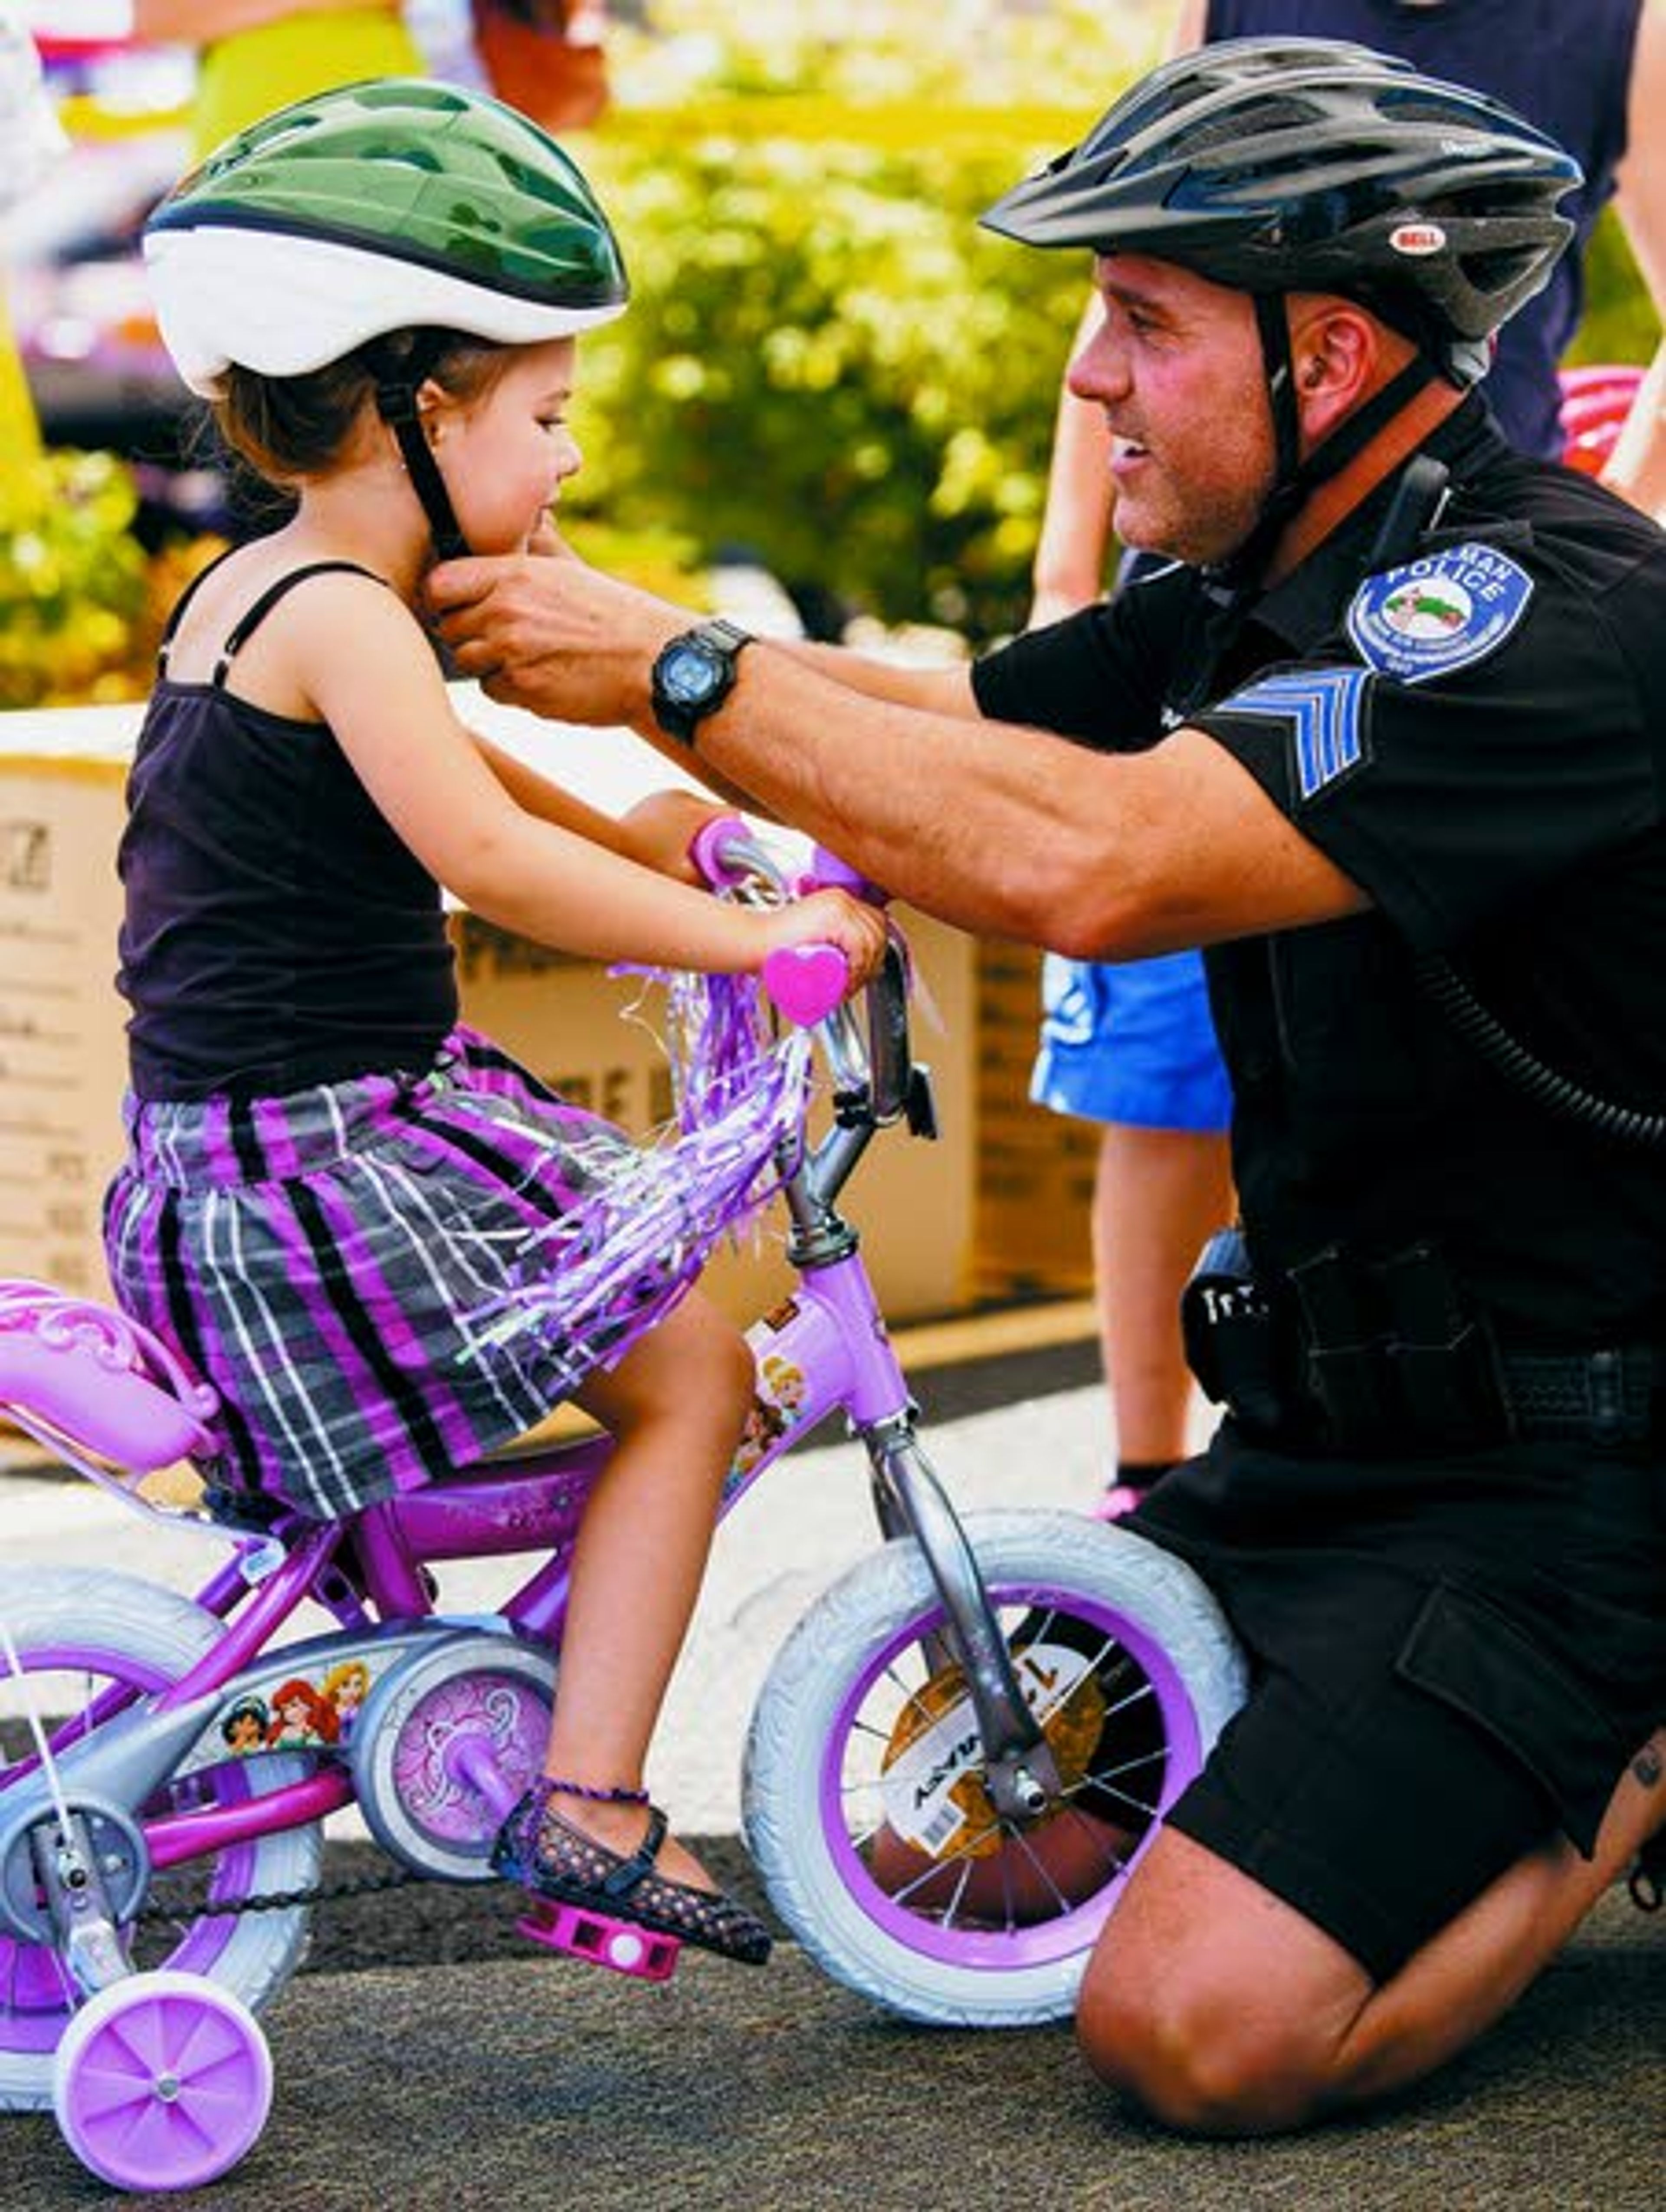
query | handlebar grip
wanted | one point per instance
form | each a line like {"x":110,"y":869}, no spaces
{"x":826,"y":872}
{"x":706,"y":847}
{"x":806,"y":981}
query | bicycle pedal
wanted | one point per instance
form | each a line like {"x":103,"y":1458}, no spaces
{"x":602,"y":1941}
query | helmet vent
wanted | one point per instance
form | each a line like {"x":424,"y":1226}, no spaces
{"x":1406,"y":107}
{"x":1288,"y":165}
{"x":1233,"y":131}
{"x":371,"y":208}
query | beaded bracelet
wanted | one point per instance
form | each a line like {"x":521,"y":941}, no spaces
{"x":548,"y":1786}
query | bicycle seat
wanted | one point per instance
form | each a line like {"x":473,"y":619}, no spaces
{"x":84,"y":1376}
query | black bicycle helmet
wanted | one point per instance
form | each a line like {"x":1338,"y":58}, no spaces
{"x":1314,"y":165}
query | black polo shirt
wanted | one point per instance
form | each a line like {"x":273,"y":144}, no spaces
{"x":1477,"y":737}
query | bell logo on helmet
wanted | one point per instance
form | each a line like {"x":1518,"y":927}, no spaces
{"x":1417,"y":239}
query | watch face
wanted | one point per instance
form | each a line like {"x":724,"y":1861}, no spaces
{"x":688,"y":675}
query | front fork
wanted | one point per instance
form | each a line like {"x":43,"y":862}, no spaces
{"x":1023,"y":1777}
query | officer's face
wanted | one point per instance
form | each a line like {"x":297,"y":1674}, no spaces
{"x":1176,"y":367}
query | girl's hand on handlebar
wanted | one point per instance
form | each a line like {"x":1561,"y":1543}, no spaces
{"x":829,"y":918}
{"x":659,"y":831}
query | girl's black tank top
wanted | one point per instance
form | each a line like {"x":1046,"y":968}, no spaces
{"x":277,"y":933}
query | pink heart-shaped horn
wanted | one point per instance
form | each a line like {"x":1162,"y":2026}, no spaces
{"x":806,"y":981}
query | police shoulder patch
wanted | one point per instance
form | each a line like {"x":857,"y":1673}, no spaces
{"x":1442,"y":613}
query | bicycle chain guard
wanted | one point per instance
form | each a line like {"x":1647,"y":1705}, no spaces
{"x":445,"y":1743}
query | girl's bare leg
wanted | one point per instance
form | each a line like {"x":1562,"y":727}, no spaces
{"x":675,"y":1406}
{"x":1224,"y":2011}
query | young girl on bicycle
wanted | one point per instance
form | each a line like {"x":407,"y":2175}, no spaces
{"x":379,"y":291}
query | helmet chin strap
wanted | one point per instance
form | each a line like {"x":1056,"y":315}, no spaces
{"x":1230,"y":585}
{"x":1295,"y":479}
{"x":398,"y":380}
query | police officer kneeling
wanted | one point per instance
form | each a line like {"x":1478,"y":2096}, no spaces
{"x":1389,"y":739}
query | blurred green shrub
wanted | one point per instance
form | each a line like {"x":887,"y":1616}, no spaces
{"x":827,"y":364}
{"x":1619,"y":322}
{"x":83,"y":605}
{"x":74,"y":592}
{"x":825,"y":361}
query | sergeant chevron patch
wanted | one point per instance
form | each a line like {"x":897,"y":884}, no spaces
{"x":1323,"y":707}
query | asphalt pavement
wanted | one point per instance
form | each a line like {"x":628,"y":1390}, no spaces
{"x":427,"y":2058}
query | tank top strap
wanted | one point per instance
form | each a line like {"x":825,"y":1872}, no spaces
{"x":252,"y":617}
{"x":182,"y":602}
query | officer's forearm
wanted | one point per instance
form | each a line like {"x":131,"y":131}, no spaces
{"x":939,"y":688}
{"x":970,"y":820}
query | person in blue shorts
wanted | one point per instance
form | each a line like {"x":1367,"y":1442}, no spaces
{"x":1133,"y":1047}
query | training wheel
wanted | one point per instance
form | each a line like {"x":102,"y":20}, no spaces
{"x":162,"y":2081}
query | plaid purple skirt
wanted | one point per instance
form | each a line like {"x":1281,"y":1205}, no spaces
{"x":319,"y":1257}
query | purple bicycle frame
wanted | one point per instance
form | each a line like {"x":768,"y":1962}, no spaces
{"x":829,"y":1335}
{"x":824,"y":1349}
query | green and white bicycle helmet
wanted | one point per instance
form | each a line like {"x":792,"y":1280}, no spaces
{"x":397,"y":204}
{"x":383,"y":206}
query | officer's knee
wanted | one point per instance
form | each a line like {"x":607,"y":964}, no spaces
{"x":1189,"y":2060}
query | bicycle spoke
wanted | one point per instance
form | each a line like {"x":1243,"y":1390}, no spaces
{"x":1017,"y":1836}
{"x":859,"y":1727}
{"x":1100,"y":1833}
{"x":946,"y":1915}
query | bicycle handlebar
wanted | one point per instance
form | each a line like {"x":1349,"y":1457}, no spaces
{"x":805,"y":981}
{"x":724,"y":851}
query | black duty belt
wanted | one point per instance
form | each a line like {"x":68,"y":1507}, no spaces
{"x":1602,"y":1397}
{"x":1389,"y":1356}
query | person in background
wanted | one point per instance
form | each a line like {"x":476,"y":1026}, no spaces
{"x":1132,"y":1047}
{"x":256,"y":55}
{"x":35,"y":140}
{"x":1636,"y":467}
{"x":547,"y":57}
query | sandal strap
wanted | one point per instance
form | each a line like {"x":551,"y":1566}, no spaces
{"x":629,"y":1873}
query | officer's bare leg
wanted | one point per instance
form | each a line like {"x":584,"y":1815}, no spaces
{"x":1222,"y":2010}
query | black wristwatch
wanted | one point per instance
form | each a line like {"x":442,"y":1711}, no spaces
{"x":694,"y":674}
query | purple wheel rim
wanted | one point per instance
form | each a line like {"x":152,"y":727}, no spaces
{"x":168,"y":2091}
{"x":1073,"y":1931}
{"x":36,"y":1997}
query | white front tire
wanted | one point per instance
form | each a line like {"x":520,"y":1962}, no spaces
{"x":814,"y":1780}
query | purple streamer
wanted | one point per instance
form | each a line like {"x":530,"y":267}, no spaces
{"x":594,"y":1282}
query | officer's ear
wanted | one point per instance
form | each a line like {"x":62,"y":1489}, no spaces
{"x":1340,"y":353}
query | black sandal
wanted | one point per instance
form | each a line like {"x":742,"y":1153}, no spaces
{"x":552,"y":1859}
